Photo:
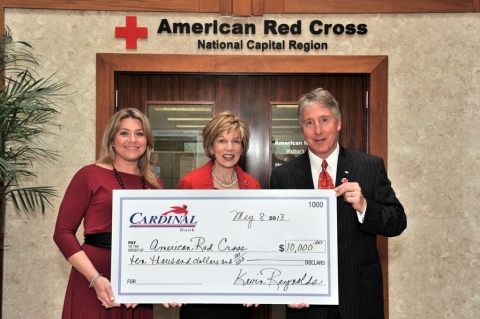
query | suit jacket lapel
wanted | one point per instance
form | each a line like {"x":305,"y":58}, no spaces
{"x":204,"y":179}
{"x":345,"y":169}
{"x":303,"y":173}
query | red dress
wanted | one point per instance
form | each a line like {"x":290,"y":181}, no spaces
{"x":89,"y":198}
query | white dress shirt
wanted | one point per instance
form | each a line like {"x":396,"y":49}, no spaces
{"x":332,"y":161}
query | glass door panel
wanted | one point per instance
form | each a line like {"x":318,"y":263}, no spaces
{"x":177,"y":131}
{"x":287,"y":136}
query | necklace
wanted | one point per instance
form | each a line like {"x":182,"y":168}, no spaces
{"x":223,"y":184}
{"x":120,"y":180}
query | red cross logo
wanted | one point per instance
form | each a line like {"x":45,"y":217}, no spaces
{"x":131,"y":32}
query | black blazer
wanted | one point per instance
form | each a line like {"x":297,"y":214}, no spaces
{"x":359,"y":271}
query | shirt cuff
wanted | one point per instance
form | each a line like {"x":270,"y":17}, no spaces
{"x":361,"y":215}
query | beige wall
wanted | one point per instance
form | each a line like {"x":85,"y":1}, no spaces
{"x":434,"y":146}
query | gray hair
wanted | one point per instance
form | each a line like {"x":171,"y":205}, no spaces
{"x":321,"y":97}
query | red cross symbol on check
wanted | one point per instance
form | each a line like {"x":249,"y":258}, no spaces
{"x":131,"y":32}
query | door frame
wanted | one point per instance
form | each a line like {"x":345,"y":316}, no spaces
{"x":375,"y":66}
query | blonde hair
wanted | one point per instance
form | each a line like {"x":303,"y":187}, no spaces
{"x":222,"y":122}
{"x":107,"y":152}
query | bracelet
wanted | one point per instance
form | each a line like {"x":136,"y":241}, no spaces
{"x":95,"y":280}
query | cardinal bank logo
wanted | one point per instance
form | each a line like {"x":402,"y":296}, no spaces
{"x":177,"y":216}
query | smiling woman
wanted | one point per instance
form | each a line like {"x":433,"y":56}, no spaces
{"x":123,"y":164}
{"x":225,"y":140}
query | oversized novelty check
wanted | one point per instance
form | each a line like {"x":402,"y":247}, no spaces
{"x":235,"y":246}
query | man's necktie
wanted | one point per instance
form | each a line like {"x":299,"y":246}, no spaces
{"x":325,"y":180}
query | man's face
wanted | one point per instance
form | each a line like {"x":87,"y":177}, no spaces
{"x":320,"y":129}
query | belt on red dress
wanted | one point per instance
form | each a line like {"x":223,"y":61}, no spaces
{"x":99,"y":240}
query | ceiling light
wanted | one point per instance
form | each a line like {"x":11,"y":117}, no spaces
{"x":188,"y":119}
{"x":190,"y":126}
{"x":182,"y":109}
{"x":277,"y":127}
{"x":285,"y":106}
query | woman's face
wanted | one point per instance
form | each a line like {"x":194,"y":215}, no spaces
{"x":227,"y":149}
{"x":130,"y":142}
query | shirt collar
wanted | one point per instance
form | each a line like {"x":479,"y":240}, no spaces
{"x":332,"y":160}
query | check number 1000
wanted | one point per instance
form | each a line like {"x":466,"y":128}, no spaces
{"x":316,"y":204}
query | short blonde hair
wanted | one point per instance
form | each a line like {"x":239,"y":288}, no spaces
{"x":107,"y":152}
{"x":222,"y":122}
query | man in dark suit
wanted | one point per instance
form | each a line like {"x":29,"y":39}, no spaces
{"x":366,"y":207}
